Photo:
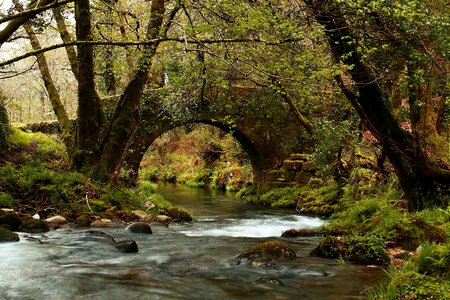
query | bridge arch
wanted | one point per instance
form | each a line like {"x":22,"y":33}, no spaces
{"x":143,"y":142}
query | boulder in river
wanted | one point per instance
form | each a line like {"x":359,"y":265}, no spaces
{"x":56,"y":222}
{"x":300,"y":233}
{"x":139,"y":214}
{"x":365,"y":250}
{"x":34,"y":226}
{"x":8,"y":236}
{"x":267,"y":253}
{"x":163,"y":219}
{"x":126,"y":246}
{"x":107,"y":223}
{"x":140,"y":227}
{"x":10,"y":220}
{"x":269,"y":280}
{"x":179,"y":214}
{"x":83,"y":220}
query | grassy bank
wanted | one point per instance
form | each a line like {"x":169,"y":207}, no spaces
{"x":34,"y":179}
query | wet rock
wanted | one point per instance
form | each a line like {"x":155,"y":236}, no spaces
{"x":179,"y":214}
{"x":83,"y":220}
{"x":139,"y":214}
{"x":148,"y":219}
{"x":361,"y":250}
{"x":56,"y":222}
{"x":8,"y":236}
{"x":34,"y":226}
{"x":267,"y":253}
{"x":97,"y":236}
{"x":126,"y":246}
{"x":101,"y":223}
{"x":269,"y":280}
{"x":10,"y":220}
{"x":163,"y":219}
{"x":300,"y":233}
{"x":140,"y":227}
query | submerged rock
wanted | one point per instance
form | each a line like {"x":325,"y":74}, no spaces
{"x":300,"y":233}
{"x":10,"y":220}
{"x":269,"y":280}
{"x":126,"y":246}
{"x":267,"y":253}
{"x":97,"y":236}
{"x":34,"y":226}
{"x":8,"y":236}
{"x":140,"y":227}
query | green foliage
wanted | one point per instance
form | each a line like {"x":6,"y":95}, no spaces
{"x":281,"y":197}
{"x":6,"y":201}
{"x":38,"y":143}
{"x":368,"y":250}
{"x":148,"y":191}
{"x":333,"y":137}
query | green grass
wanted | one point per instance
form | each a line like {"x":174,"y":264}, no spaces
{"x":37,"y":142}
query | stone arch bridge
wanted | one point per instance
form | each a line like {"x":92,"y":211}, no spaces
{"x":257,"y":118}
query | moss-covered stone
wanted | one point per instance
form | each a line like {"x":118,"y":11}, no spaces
{"x":10,"y":220}
{"x":34,"y":226}
{"x":266,"y":253}
{"x":301,"y":233}
{"x":8,"y":236}
{"x":179,"y":214}
{"x":361,"y":250}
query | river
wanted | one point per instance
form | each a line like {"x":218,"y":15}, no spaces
{"x":182,"y":261}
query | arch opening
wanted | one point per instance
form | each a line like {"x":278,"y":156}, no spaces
{"x":201,"y":154}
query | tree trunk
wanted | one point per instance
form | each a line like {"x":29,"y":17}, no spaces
{"x":65,"y":37}
{"x":91,"y":120}
{"x":4,"y":125}
{"x":125,"y":119}
{"x":421,"y":181}
{"x":60,"y":112}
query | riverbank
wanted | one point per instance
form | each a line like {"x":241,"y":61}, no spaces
{"x":368,"y":219}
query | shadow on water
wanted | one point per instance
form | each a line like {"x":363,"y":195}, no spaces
{"x":184,"y":261}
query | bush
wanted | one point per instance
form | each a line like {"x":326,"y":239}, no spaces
{"x":6,"y":201}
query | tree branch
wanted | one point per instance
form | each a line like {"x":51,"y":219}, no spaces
{"x":148,"y":42}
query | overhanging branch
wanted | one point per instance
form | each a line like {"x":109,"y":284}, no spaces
{"x":149,"y":42}
{"x":34,"y":11}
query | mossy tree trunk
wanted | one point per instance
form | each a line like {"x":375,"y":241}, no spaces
{"x":4,"y":125}
{"x":421,"y":180}
{"x":66,"y":38}
{"x":91,"y":121}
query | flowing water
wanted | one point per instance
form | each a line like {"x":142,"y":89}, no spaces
{"x":182,"y":261}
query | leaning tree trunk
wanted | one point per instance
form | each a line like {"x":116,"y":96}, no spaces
{"x":126,"y":117}
{"x":14,"y":24}
{"x":421,"y":181}
{"x":66,"y":38}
